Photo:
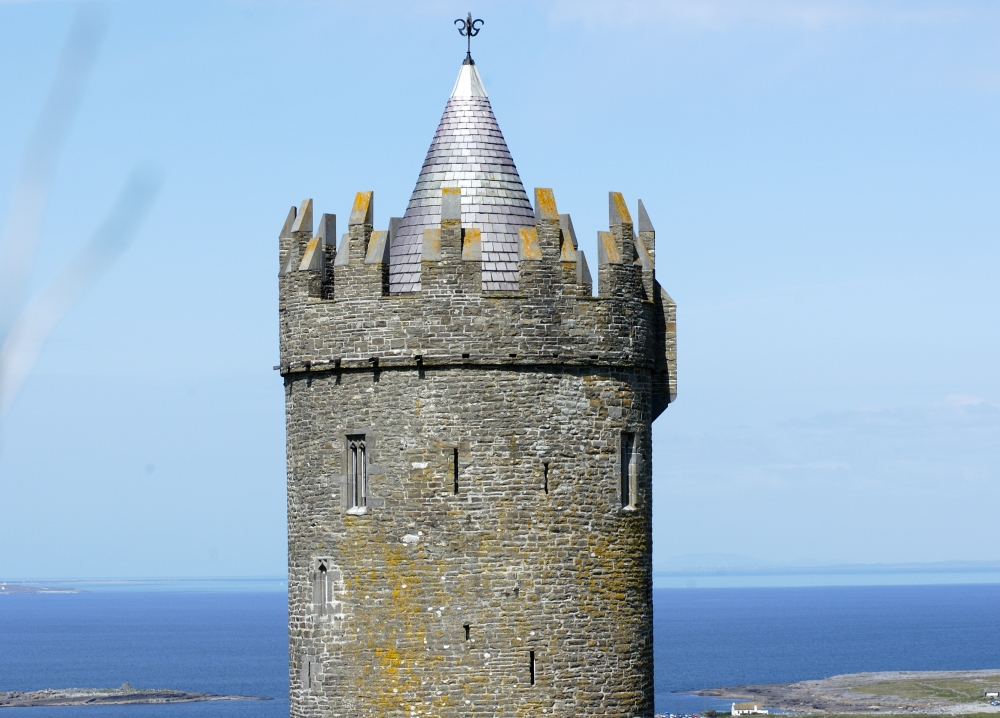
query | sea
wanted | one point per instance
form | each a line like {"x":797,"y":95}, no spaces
{"x":232,"y":639}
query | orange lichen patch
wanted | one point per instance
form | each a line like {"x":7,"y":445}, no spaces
{"x":361,"y":212}
{"x":568,"y":251}
{"x":402,"y":656}
{"x":451,"y":191}
{"x":607,"y":241}
{"x":387,"y":659}
{"x":529,"y":244}
{"x":472,"y":245}
{"x":545,"y":204}
{"x":621,"y":208}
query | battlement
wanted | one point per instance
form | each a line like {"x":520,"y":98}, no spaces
{"x":338,"y":314}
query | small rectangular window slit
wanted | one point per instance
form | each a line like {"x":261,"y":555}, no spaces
{"x":467,"y":628}
{"x":545,"y":475}
{"x":628,"y":478}
{"x":321,"y":588}
{"x":531,"y":666}
{"x":455,"y":470}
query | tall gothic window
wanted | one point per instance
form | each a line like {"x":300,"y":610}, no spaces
{"x":357,"y":469}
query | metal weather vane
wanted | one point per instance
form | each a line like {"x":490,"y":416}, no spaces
{"x":468,"y":28}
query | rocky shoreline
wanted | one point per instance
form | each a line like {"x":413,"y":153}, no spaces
{"x":125,"y":695}
{"x":950,"y":692}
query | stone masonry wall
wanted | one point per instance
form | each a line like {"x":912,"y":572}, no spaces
{"x":564,"y":573}
{"x":432,"y":598}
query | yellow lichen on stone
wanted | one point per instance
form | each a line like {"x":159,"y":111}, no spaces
{"x":529,"y":249}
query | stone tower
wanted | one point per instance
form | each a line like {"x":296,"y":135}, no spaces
{"x":469,"y":446}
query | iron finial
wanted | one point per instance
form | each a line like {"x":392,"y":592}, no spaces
{"x":468,"y":28}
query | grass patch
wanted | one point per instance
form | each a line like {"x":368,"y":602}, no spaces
{"x":884,"y":712}
{"x":959,"y":690}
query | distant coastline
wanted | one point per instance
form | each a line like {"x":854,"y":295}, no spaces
{"x":748,"y":568}
{"x":10,"y":589}
{"x":252,"y":584}
{"x":734,"y":573}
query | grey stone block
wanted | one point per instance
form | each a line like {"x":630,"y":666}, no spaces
{"x":286,"y":229}
{"x":644,"y":224}
{"x":378,"y":248}
{"x":327,"y":229}
{"x":304,"y":218}
{"x":451,"y":203}
{"x":583,"y":271}
{"x":343,"y":251}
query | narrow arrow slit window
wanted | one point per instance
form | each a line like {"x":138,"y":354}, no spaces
{"x":628,"y":470}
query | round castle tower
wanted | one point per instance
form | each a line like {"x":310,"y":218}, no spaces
{"x":469,"y":446}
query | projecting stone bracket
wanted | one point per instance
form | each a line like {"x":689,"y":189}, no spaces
{"x":665,"y":351}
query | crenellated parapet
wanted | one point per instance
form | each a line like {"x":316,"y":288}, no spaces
{"x":337,"y":312}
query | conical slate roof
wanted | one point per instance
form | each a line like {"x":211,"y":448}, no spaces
{"x":469,"y":152}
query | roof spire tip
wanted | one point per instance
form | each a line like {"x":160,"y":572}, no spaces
{"x":468,"y":84}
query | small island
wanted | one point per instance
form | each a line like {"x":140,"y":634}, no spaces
{"x":11,"y":589}
{"x":123,"y":695}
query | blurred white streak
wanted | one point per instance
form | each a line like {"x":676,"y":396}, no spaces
{"x":24,"y":218}
{"x":28,"y":334}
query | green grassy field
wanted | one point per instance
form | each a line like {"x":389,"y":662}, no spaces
{"x":921,"y":715}
{"x":960,"y":690}
{"x":887,"y":713}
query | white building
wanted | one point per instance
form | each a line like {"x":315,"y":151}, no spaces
{"x":748,"y":709}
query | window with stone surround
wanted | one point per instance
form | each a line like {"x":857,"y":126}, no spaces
{"x":357,"y":471}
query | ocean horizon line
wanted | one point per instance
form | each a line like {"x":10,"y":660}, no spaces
{"x":762,"y":576}
{"x":237,"y":584}
{"x":766,"y":569}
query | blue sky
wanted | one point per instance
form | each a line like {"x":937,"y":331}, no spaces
{"x":822,"y":177}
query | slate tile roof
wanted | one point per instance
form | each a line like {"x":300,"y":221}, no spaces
{"x":469,"y":152}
